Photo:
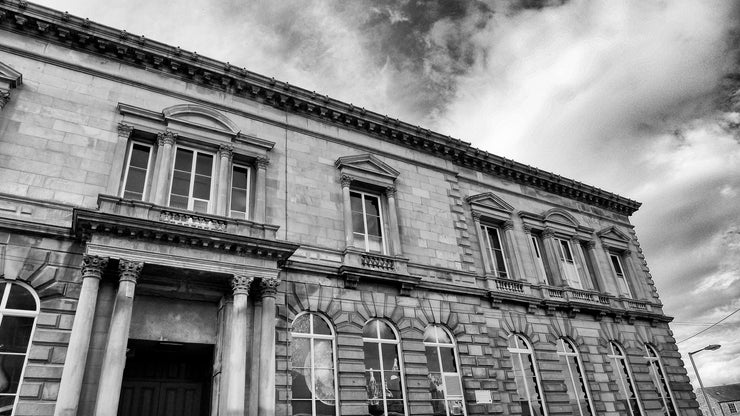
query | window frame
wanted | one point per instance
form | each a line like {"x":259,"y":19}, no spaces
{"x":617,"y":357}
{"x":731,"y":407}
{"x":538,"y":255}
{"x":443,"y":374}
{"x":623,"y":277}
{"x":191,"y":199}
{"x":248,"y":206}
{"x":127,"y":166}
{"x":486,"y":227}
{"x":569,"y":261}
{"x":529,"y":350}
{"x":378,"y":341}
{"x":590,"y":410}
{"x":4,"y":311}
{"x":381,"y":214}
{"x":655,"y":367}
{"x":311,"y":336}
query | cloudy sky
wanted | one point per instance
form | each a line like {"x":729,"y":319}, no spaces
{"x":637,"y":97}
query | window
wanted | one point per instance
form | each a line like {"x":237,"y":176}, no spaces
{"x":191,"y":180}
{"x":539,"y":256}
{"x":623,"y":376}
{"x":383,"y":375}
{"x":18,"y":311}
{"x":136,"y":178}
{"x":731,"y":407}
{"x":570,"y":268}
{"x":526,"y":377}
{"x":445,"y":383}
{"x":367,"y":223}
{"x":618,"y":270}
{"x":576,"y":383}
{"x":240,"y":184}
{"x":312,"y":353}
{"x":495,"y":250}
{"x":657,"y":374}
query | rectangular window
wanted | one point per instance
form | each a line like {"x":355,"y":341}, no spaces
{"x":240,"y":184}
{"x":539,"y":257}
{"x":619,"y":273}
{"x":570,"y":269}
{"x":495,"y":251}
{"x":732,"y":407}
{"x":135,"y":179}
{"x":191,"y":180}
{"x":367,"y":222}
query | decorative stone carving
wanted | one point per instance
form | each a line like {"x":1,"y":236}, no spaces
{"x":548,"y":233}
{"x":166,"y":138}
{"x":508,"y":225}
{"x":240,"y":284}
{"x":124,"y":130}
{"x":590,"y":244}
{"x":129,"y":270}
{"x":390,"y":192}
{"x":225,"y":151}
{"x":346,"y":181}
{"x":476,"y":216}
{"x":262,"y":162}
{"x":93,"y":266}
{"x":268,"y":287}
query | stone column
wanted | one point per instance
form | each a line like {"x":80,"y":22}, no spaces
{"x":254,"y":372}
{"x":225,"y":153}
{"x":267,"y":348}
{"x":111,"y":375}
{"x":512,"y":252}
{"x":390,"y":194}
{"x":347,"y":210}
{"x":166,"y":142}
{"x":487,"y":267}
{"x":260,"y":198}
{"x":236,"y":360}
{"x":79,"y":341}
{"x":590,"y":255}
{"x":552,"y":256}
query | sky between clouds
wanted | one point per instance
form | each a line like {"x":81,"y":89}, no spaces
{"x":636,"y":97}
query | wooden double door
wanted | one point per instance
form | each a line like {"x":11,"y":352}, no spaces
{"x":165,"y":379}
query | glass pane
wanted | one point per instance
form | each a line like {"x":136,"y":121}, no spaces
{"x":375,"y":244}
{"x":325,"y":408}
{"x":386,"y":332}
{"x":452,"y":382}
{"x":238,"y":200}
{"x":180,"y":183}
{"x":202,"y":187}
{"x":448,"y":359}
{"x":372,"y":359}
{"x":358,"y":224}
{"x":320,"y":326}
{"x":373,"y":225}
{"x":184,"y":160}
{"x":301,"y":407}
{"x":301,"y":324}
{"x":390,"y":356}
{"x":324,"y":384}
{"x":323,"y":353}
{"x":301,"y":386}
{"x":135,"y":180}
{"x":21,"y":298}
{"x":493,"y":236}
{"x":371,"y":329}
{"x":300,"y":352}
{"x":439,"y":407}
{"x":359,"y":240}
{"x":456,"y":407}
{"x":430,"y":334}
{"x":12,"y":365}
{"x":200,"y":206}
{"x":372,"y":206}
{"x":15,"y":332}
{"x":395,"y":407}
{"x":240,"y":178}
{"x":179,"y":202}
{"x":6,"y":405}
{"x":355,"y":202}
{"x":432,"y":359}
{"x":393,"y":384}
{"x":204,"y":164}
{"x":373,"y":383}
{"x":140,"y":156}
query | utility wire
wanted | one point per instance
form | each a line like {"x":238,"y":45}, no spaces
{"x":710,"y":327}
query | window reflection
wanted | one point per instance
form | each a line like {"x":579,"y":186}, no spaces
{"x":313,"y":366}
{"x":445,"y":383}
{"x":383,"y":375}
{"x":575,"y":379}
{"x":526,"y":376}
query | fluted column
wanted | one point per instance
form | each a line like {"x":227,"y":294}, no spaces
{"x":552,"y":256}
{"x":111,"y":375}
{"x":260,"y":199}
{"x":225,"y":153}
{"x":390,"y":194}
{"x":254,"y":372}
{"x":237,"y":375}
{"x":267,"y":348}
{"x":347,"y":211}
{"x":166,"y":142}
{"x":79,"y":342}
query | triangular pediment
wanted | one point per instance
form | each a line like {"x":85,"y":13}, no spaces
{"x":367,"y":167}
{"x":614,"y":234}
{"x":491,"y":201}
{"x":9,"y":77}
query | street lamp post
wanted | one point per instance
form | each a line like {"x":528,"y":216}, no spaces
{"x":711,"y":347}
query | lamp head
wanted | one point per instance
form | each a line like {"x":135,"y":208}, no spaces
{"x":712,"y":347}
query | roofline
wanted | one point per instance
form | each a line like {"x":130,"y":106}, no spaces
{"x":81,"y":34}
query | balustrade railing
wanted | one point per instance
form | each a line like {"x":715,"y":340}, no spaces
{"x":377,"y":262}
{"x":192,"y":220}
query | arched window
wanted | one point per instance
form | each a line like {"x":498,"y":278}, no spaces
{"x":312,"y":352}
{"x":444,"y":372}
{"x":18,"y":312}
{"x":575,"y":378}
{"x":623,"y":376}
{"x":657,"y":374}
{"x":383,"y":369}
{"x":527,"y":377}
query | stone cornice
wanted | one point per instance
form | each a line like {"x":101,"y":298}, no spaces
{"x":81,"y":34}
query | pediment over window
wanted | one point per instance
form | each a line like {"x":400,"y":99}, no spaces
{"x":367,"y":168}
{"x":199,"y":116}
{"x":558,"y":216}
{"x":613,"y":237}
{"x":9,"y":79}
{"x":490,"y":204}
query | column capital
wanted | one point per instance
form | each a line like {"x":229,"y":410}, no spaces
{"x":527,"y":229}
{"x":268,"y":287}
{"x":124,"y":130}
{"x":92,"y":266}
{"x":240,"y":284}
{"x":225,"y":151}
{"x":346,"y":181}
{"x":166,"y":138}
{"x":626,"y":253}
{"x":476,"y":216}
{"x":548,"y":233}
{"x":262,"y":162}
{"x":129,"y":271}
{"x":508,"y":225}
{"x":590,"y":244}
{"x":390,"y":192}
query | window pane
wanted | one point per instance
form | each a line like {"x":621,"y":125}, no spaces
{"x":20,"y":298}
{"x":372,"y":359}
{"x":452,"y":382}
{"x":386,"y":332}
{"x":432,"y":359}
{"x":325,"y":408}
{"x":373,"y":383}
{"x":393,"y":384}
{"x":301,"y":324}
{"x":375,"y":244}
{"x":301,"y":407}
{"x":493,"y":237}
{"x":139,"y":156}
{"x":200,"y":206}
{"x":448,"y":359}
{"x":202,"y":187}
{"x":358,"y":224}
{"x":320,"y":326}
{"x":390,"y":356}
{"x":355,"y":201}
{"x":300,"y":350}
{"x":240,"y":177}
{"x":373,"y":226}
{"x":15,"y":332}
{"x":301,"y":383}
{"x":179,"y":202}
{"x":204,"y":164}
{"x":181,"y":183}
{"x":238,"y":200}
{"x":135,"y":180}
{"x":6,"y":405}
{"x":617,"y":265}
{"x":184,"y":160}
{"x":372,"y":206}
{"x":323,"y":353}
{"x":12,"y":367}
{"x":371,"y":329}
{"x":324,"y":383}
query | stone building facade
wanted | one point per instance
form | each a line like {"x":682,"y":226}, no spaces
{"x":724,"y":400}
{"x":182,"y":236}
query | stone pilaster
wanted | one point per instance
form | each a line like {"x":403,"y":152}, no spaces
{"x":225,"y":153}
{"x":347,"y":211}
{"x":236,"y":360}
{"x":260,"y":193}
{"x":166,"y":142}
{"x":267,"y":348}
{"x":390,"y":194}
